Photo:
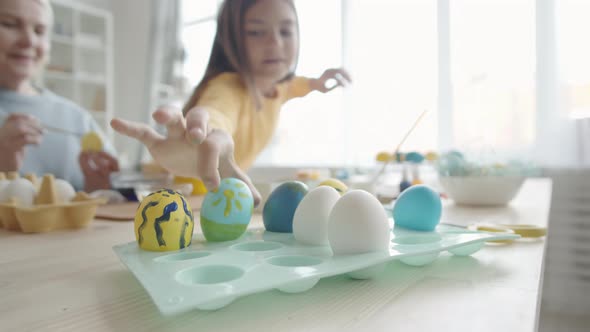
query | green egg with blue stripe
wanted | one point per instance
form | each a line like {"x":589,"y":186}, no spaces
{"x":226,"y":211}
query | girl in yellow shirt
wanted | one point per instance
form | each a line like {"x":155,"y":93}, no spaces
{"x":233,"y":112}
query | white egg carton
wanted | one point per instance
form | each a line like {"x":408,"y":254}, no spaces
{"x":211,"y":275}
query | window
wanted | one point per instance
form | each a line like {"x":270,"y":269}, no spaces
{"x":573,"y":56}
{"x":492,"y":45}
{"x":198,"y":39}
{"x":197,"y":33}
{"x":472,"y":63}
{"x":391,"y":50}
{"x":316,"y":120}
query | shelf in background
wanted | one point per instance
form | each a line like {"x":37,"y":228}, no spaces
{"x":62,"y":39}
{"x":81,"y":67}
{"x":59,"y":75}
{"x":92,"y":79}
{"x":90,"y":42}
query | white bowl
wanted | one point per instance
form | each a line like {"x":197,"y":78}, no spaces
{"x":482,"y":190}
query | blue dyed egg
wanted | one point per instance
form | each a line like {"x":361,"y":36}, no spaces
{"x":226,"y":211}
{"x":280,"y":206}
{"x":419,"y":208}
{"x":414,"y":157}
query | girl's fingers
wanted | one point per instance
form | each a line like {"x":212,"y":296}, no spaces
{"x":173,"y":120}
{"x":334,"y":78}
{"x":208,"y":162}
{"x":236,"y":172}
{"x":341,"y":81}
{"x":140,"y":132}
{"x":227,"y":164}
{"x":345,"y":74}
{"x":197,"y":120}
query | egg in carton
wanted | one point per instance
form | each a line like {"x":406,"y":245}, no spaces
{"x":31,"y":206}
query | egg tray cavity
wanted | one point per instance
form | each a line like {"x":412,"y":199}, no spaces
{"x":209,"y":276}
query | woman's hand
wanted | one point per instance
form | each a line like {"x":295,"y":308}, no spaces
{"x":190,"y":149}
{"x":339,"y":75}
{"x":18,"y":131}
{"x":97,"y":168}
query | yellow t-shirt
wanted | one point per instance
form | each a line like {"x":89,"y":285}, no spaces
{"x":232,"y":109}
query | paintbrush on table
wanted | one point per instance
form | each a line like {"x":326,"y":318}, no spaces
{"x":396,"y":151}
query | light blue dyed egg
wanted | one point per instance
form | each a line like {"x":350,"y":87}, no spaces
{"x":414,"y":157}
{"x":453,"y":164}
{"x":226,"y":212}
{"x":418,"y":208}
{"x":455,"y":154}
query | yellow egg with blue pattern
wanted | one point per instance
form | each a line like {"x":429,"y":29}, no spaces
{"x":164,"y":222}
{"x":226,"y":211}
{"x":340,"y":187}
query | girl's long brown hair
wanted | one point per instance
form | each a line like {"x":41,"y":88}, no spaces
{"x":228,"y":53}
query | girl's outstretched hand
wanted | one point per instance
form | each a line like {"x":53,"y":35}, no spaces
{"x":190,"y":149}
{"x":338,"y":75}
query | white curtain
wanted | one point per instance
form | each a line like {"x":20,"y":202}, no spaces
{"x":555,"y":137}
{"x":164,"y":54}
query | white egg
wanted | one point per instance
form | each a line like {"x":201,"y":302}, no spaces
{"x":64,"y":191}
{"x":310,"y":222}
{"x":358,"y":224}
{"x":20,"y":189}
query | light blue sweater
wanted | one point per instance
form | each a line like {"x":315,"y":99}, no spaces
{"x":58,"y":153}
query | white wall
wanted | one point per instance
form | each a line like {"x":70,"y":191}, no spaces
{"x":132,"y":32}
{"x":131,"y":42}
{"x":102,"y":4}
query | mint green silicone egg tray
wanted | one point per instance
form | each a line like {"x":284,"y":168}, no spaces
{"x":209,"y":276}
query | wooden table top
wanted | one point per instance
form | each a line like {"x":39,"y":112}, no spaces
{"x":72,"y":280}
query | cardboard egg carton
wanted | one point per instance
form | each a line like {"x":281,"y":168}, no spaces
{"x":47,"y":212}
